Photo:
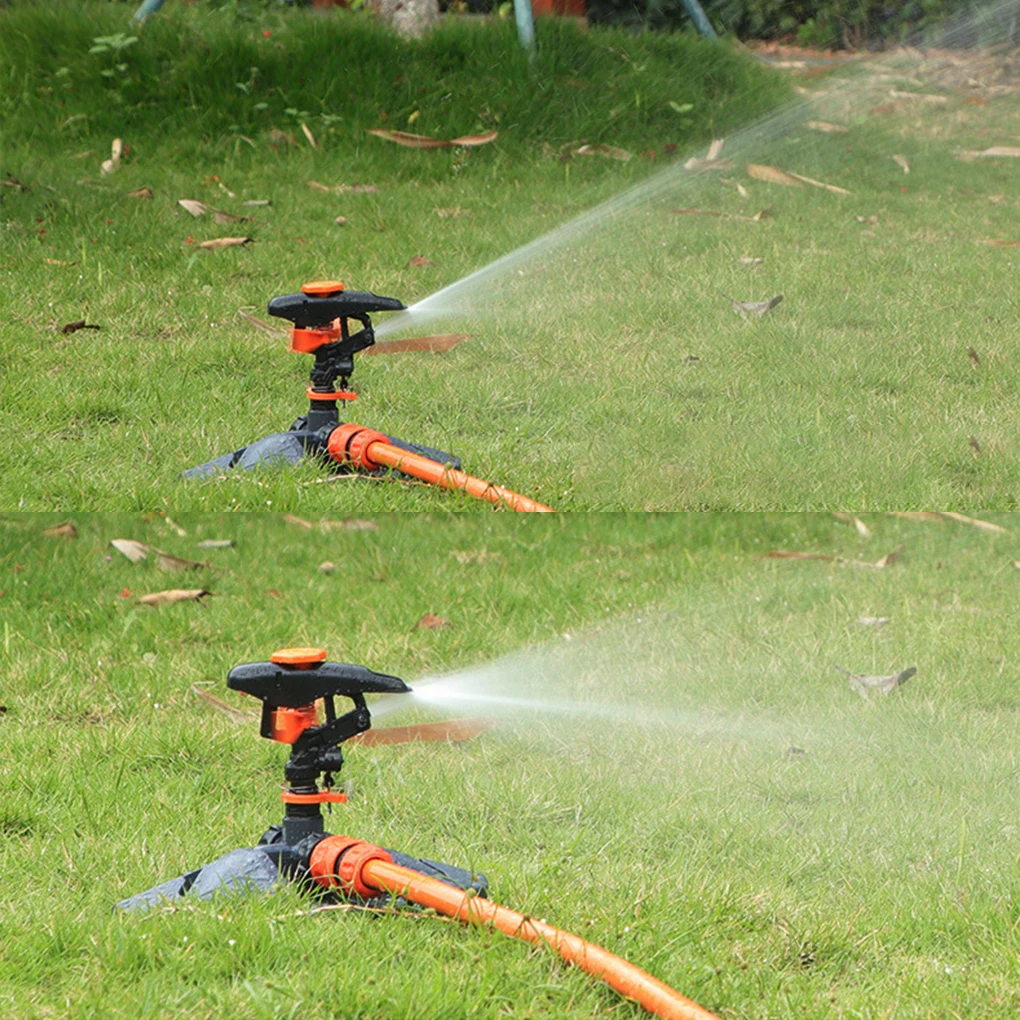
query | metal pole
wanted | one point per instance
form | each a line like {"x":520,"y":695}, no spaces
{"x":147,"y":8}
{"x":700,"y":19}
{"x":525,"y":26}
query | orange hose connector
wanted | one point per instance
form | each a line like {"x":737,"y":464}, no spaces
{"x":369,"y":868}
{"x":370,"y":450}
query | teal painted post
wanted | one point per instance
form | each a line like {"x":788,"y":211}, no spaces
{"x":147,"y":8}
{"x":525,"y":25}
{"x":700,"y":19}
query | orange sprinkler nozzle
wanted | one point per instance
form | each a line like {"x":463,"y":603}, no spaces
{"x":287,"y":724}
{"x":369,"y":870}
{"x":303,"y":658}
{"x":322,"y":288}
{"x":370,"y":450}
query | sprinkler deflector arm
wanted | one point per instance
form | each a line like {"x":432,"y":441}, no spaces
{"x":369,"y":870}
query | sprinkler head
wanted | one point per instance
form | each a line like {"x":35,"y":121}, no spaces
{"x":319,"y":307}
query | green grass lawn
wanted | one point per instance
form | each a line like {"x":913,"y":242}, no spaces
{"x":609,"y":373}
{"x":697,"y":788}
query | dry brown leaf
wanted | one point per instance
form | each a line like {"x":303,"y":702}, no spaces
{"x":58,"y":262}
{"x":143,"y":192}
{"x":217,"y":543}
{"x":772,"y":175}
{"x":872,"y":621}
{"x":73,"y":327}
{"x":862,"y":529}
{"x":974,"y":357}
{"x":888,"y":559}
{"x":749,"y":261}
{"x":901,"y":161}
{"x":928,"y":516}
{"x":356,"y":524}
{"x":236,"y":714}
{"x":225,"y":217}
{"x":257,"y":203}
{"x":758,"y":308}
{"x":472,"y":141}
{"x":116,"y":151}
{"x":278,"y":137}
{"x":433,"y":344}
{"x":193,"y":206}
{"x":431,"y":622}
{"x":972,"y":442}
{"x":266,"y":327}
{"x":172,"y":595}
{"x":327,"y":567}
{"x":64,"y":530}
{"x":418,"y":261}
{"x":996,"y":151}
{"x":167,"y":562}
{"x":453,"y":729}
{"x":410,"y":141}
{"x":696,"y":212}
{"x":707,"y":164}
{"x":995,"y":243}
{"x":762,"y":214}
{"x":783,"y":554}
{"x":609,"y":151}
{"x":834,"y":188}
{"x":917,"y":97}
{"x":715,"y":149}
{"x":339,"y":189}
{"x":824,"y":125}
{"x":299,"y":522}
{"x":311,"y":138}
{"x":134,"y":551}
{"x":340,"y":221}
{"x":974,"y":522}
{"x":226,"y":242}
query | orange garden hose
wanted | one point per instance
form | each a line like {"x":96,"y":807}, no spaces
{"x":368,"y":870}
{"x":370,"y":449}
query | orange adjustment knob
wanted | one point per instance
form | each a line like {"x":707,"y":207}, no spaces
{"x":302,"y":658}
{"x":322,"y":288}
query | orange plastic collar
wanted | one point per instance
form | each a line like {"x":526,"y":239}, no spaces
{"x":303,"y":658}
{"x":322,"y":288}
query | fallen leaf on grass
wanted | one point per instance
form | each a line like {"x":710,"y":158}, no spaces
{"x":134,"y":551}
{"x":772,"y":175}
{"x":919,"y":515}
{"x":349,"y":524}
{"x":143,"y":192}
{"x":340,"y":189}
{"x":116,"y":151}
{"x":257,"y":203}
{"x":834,"y":188}
{"x":340,"y":221}
{"x":995,"y":243}
{"x":432,"y":344}
{"x":696,"y":164}
{"x":973,"y":443}
{"x":757,"y":308}
{"x":73,"y":327}
{"x":217,"y":543}
{"x":784,"y":554}
{"x":200,"y":209}
{"x":872,"y":621}
{"x":901,"y":161}
{"x":974,"y":522}
{"x":431,"y":622}
{"x":311,"y":138}
{"x":64,"y":530}
{"x":226,"y":242}
{"x":236,"y":714}
{"x":917,"y":97}
{"x":58,"y":262}
{"x":278,"y":137}
{"x":862,"y":529}
{"x":995,"y":152}
{"x":864,"y":684}
{"x":172,"y":595}
{"x":299,"y":522}
{"x":888,"y":559}
{"x":327,"y":567}
{"x":696,"y":212}
{"x":453,"y":729}
{"x":266,"y":327}
{"x":167,"y":562}
{"x":609,"y":151}
{"x":10,"y":181}
{"x":974,"y":357}
{"x":418,"y":261}
{"x":975,"y":101}
{"x":410,"y":141}
{"x":748,"y":261}
{"x":824,"y":125}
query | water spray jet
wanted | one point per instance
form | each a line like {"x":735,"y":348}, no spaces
{"x":290,"y":686}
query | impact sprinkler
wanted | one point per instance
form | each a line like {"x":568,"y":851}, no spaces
{"x":320,"y":315}
{"x":344,"y":868}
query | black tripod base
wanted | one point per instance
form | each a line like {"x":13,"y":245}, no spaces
{"x":260,"y":869}
{"x":292,"y":447}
